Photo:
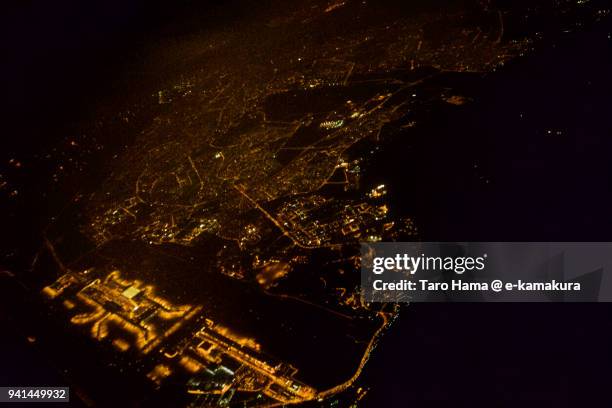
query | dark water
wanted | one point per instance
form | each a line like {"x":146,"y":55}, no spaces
{"x":529,"y":159}
{"x":492,"y":171}
{"x":502,"y":355}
